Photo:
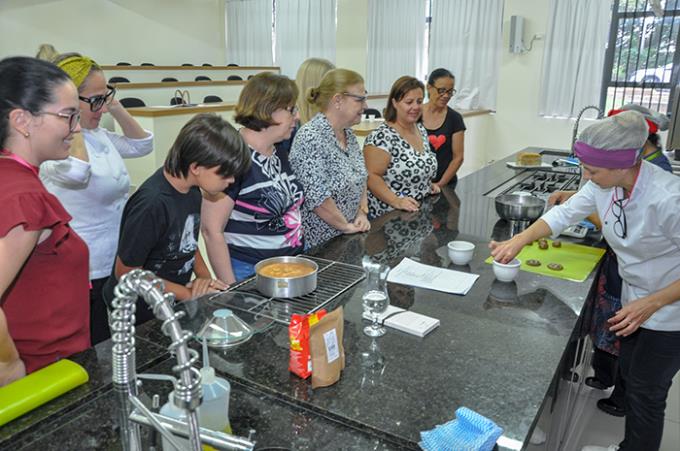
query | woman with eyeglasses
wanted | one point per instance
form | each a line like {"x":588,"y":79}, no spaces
{"x":400,"y":164}
{"x":93,"y":183}
{"x":328,"y":161}
{"x":44,"y":308}
{"x":638,"y":205}
{"x":445,"y":127}
{"x":258,"y":216}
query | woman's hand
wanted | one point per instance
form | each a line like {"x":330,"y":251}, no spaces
{"x":560,"y":197}
{"x":114,"y":105}
{"x":406,"y":204}
{"x":11,"y":371}
{"x":361,"y":222}
{"x":505,"y":251}
{"x":435,"y":189}
{"x":350,"y":228}
{"x":632,"y":316}
{"x":200,"y":286}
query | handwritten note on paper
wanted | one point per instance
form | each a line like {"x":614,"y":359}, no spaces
{"x":415,"y":274}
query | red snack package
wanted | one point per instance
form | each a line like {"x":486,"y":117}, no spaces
{"x":300,"y":361}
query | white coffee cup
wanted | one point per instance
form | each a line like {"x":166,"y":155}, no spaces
{"x":371,"y":117}
{"x":506,"y":272}
{"x":461,"y":252}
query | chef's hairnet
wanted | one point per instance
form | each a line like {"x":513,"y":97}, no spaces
{"x":627,"y":130}
{"x":655,"y":120}
{"x":613,"y":142}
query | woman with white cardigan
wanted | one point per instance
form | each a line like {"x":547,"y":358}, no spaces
{"x":93,"y":182}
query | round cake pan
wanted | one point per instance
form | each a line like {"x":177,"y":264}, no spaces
{"x":286,"y":287}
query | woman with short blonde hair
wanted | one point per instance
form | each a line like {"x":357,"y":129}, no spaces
{"x":327,"y":159}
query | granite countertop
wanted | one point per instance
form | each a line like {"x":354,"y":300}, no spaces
{"x":94,"y":424}
{"x":496,"y":351}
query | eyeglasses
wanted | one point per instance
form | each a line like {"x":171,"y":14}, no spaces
{"x":443,"y":91}
{"x":620,"y":226}
{"x":293,"y":110}
{"x":355,"y":96}
{"x":98,"y":102}
{"x":73,"y":118}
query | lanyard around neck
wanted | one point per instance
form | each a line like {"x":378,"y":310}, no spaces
{"x":6,"y":153}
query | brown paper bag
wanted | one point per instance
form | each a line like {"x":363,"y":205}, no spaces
{"x":328,"y":354}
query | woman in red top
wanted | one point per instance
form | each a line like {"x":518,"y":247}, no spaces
{"x":44,"y":303}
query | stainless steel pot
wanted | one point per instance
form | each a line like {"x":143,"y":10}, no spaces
{"x":517,"y":207}
{"x":286,"y":287}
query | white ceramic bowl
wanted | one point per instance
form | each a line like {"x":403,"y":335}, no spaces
{"x":506,"y":272}
{"x":460,"y":252}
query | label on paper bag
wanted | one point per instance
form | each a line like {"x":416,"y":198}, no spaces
{"x":328,"y":356}
{"x":332,"y":350}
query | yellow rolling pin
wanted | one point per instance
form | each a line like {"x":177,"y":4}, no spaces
{"x":39,"y":387}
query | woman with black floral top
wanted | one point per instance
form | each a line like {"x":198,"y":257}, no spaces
{"x":327,"y":159}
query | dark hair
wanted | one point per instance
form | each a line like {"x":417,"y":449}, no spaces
{"x":208,"y":140}
{"x":399,"y":89}
{"x":655,"y":139}
{"x":26,"y":83}
{"x":437,"y":74}
{"x":261,"y":96}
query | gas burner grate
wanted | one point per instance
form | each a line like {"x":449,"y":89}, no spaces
{"x":333,"y":279}
{"x":542,"y":183}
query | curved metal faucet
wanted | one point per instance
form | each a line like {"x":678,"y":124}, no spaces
{"x":600,"y":114}
{"x":188,"y":393}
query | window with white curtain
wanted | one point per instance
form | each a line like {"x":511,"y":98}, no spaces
{"x":466,"y":38}
{"x":304,"y":29}
{"x":396,"y":37}
{"x":280,"y":32}
{"x":249,"y":32}
{"x":573,"y":57}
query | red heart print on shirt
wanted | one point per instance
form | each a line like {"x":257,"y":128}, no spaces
{"x":437,"y":141}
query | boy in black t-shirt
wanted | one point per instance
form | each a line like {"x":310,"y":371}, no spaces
{"x":161,"y":221}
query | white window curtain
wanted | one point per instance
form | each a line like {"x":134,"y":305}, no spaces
{"x":573,"y":58}
{"x":249,"y":32}
{"x":304,"y":29}
{"x":466,"y":38}
{"x":396,"y":34}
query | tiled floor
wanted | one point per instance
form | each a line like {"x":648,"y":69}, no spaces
{"x":594,"y":427}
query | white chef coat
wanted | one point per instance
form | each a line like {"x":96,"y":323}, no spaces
{"x":649,"y":256}
{"x":94,"y":193}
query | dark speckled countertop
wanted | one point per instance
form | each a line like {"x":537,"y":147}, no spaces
{"x":496,"y":351}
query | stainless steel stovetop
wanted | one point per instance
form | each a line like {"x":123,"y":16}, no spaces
{"x":540,"y":183}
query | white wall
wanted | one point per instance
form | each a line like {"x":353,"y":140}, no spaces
{"x":164,"y":32}
{"x":516,"y":123}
